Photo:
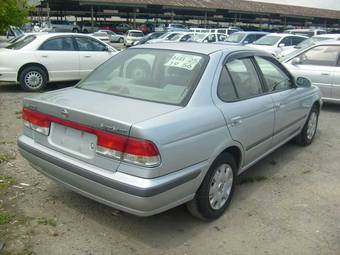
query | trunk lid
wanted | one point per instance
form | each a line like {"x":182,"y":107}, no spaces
{"x":100,"y":111}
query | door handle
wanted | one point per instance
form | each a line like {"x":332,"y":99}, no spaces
{"x":235,"y":121}
{"x":325,"y":74}
{"x":44,"y":56}
{"x":277,"y":106}
{"x":87,"y":56}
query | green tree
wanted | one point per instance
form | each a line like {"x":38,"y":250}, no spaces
{"x":13,"y":12}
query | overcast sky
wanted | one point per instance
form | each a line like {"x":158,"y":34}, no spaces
{"x":325,"y":4}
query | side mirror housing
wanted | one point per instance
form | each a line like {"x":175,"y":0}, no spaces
{"x":282,"y":45}
{"x":296,"y":61}
{"x":303,"y":82}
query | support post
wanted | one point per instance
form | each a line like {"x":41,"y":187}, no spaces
{"x":92,"y":25}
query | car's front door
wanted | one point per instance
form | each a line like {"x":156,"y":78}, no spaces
{"x":289,"y":102}
{"x":92,"y":53}
{"x":317,"y":64}
{"x":60,"y":58}
{"x":249,"y":113}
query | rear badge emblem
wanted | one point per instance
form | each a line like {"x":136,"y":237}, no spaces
{"x":65,"y":113}
{"x":92,"y":146}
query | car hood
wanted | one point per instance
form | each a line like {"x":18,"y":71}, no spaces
{"x":86,"y":106}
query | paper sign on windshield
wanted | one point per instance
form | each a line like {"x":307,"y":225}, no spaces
{"x":184,"y":61}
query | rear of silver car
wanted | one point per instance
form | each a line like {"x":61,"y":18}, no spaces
{"x":95,"y":156}
{"x":119,"y":150}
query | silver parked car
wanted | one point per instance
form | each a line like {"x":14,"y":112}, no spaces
{"x":320,"y":63}
{"x":160,"y":125}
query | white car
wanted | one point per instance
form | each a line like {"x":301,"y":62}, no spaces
{"x":113,"y":37}
{"x":42,"y":58}
{"x":209,"y":38}
{"x":309,"y":42}
{"x":276,"y":43}
{"x":165,"y":37}
{"x":133,"y":36}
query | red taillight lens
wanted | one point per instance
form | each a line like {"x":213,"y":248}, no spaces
{"x":131,"y":150}
{"x":36,"y":121}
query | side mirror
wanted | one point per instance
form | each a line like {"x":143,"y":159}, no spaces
{"x":296,"y":61}
{"x":303,"y":82}
{"x":281,"y":45}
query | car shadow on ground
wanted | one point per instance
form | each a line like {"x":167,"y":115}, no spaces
{"x":327,"y":107}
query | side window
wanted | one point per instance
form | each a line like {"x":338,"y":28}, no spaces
{"x":250,"y":38}
{"x":276,"y":79}
{"x":211,"y":38}
{"x":297,"y":40}
{"x":286,"y":41}
{"x":245,"y":78}
{"x":88,"y":44}
{"x":320,"y":56}
{"x":58,"y":44}
{"x":226,"y":90}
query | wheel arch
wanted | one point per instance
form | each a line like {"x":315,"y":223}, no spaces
{"x":33,"y":64}
{"x":236,"y":152}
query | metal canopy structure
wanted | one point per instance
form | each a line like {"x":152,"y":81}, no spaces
{"x":212,"y":10}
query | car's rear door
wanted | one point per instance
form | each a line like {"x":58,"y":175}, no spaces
{"x":335,"y":93}
{"x":290,"y":108}
{"x":60,"y":57}
{"x":92,"y":53}
{"x":249,"y":113}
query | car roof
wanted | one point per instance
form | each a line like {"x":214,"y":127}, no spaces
{"x":328,"y":42}
{"x":286,"y":34}
{"x":203,"y":48}
{"x":327,"y":35}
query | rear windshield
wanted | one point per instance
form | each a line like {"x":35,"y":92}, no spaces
{"x":235,"y":38}
{"x":268,"y":40}
{"x":163,"y":76}
{"x":136,"y":34}
{"x":21,"y":43}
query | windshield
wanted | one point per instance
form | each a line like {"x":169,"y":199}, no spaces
{"x":236,"y":37}
{"x":162,"y":76}
{"x":21,"y":43}
{"x":310,"y":42}
{"x":199,"y":37}
{"x":268,"y":40}
{"x":175,"y":37}
{"x":136,"y":34}
{"x":304,"y":33}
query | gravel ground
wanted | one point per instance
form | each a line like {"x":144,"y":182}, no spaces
{"x":289,"y":203}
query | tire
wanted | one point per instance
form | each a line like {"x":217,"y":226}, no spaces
{"x":121,"y":40}
{"x":33,"y":78}
{"x":307,"y":134}
{"x":204,"y":206}
{"x":75,"y":30}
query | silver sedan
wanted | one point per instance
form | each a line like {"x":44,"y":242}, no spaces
{"x":321,"y":64}
{"x":160,"y":125}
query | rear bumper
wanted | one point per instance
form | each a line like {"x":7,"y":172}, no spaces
{"x":135,"y":195}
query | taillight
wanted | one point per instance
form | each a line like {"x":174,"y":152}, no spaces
{"x":36,"y":121}
{"x":128,"y":149}
{"x":131,"y":150}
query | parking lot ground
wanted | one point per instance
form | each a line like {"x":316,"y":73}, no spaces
{"x":289,"y":203}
